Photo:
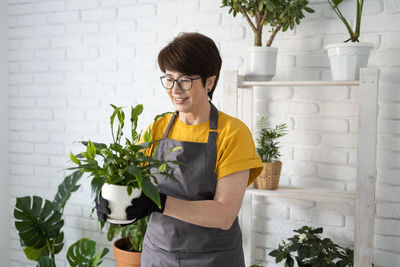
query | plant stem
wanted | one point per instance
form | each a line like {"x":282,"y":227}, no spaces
{"x":343,"y":19}
{"x":271,"y":38}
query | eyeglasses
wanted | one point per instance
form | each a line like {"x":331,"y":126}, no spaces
{"x":185,"y":83}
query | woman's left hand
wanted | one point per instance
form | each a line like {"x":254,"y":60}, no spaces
{"x":144,"y":206}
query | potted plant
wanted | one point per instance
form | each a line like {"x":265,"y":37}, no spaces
{"x":128,"y":247}
{"x":309,"y":249}
{"x":124,"y":170}
{"x":279,"y":14}
{"x":348,"y":57}
{"x":268,"y":150}
{"x":39,"y":222}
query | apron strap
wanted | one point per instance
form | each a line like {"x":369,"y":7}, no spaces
{"x":169,"y":125}
{"x":212,"y":137}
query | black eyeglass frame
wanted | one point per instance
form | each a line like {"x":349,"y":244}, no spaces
{"x":178,"y":81}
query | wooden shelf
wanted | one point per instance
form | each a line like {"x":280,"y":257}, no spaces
{"x":363,"y":198}
{"x":242,"y":83}
{"x":306,"y":193}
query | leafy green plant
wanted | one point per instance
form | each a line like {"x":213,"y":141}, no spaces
{"x":279,"y":14}
{"x":354,"y":34}
{"x":267,"y":147}
{"x":307,"y":248}
{"x":39,"y":222}
{"x":125,"y":164}
{"x":83,"y":253}
{"x":134,"y":233}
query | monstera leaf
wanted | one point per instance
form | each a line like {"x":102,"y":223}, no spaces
{"x":37,"y":224}
{"x":83,"y":253}
{"x":45,"y":261}
{"x":68,"y":186}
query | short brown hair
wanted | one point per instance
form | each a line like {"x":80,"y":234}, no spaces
{"x":192,"y":54}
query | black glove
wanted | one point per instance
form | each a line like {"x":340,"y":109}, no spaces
{"x":140,"y":208}
{"x":102,"y":208}
{"x":143,"y":206}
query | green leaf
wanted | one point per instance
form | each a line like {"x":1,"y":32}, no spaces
{"x":289,"y":261}
{"x":96,"y":185}
{"x":65,"y":189}
{"x":81,"y":253}
{"x":129,"y":190}
{"x":113,"y":231}
{"x":34,"y":254}
{"x":151,"y":191}
{"x":162,"y":167}
{"x":99,"y":257}
{"x":135,"y":112}
{"x":337,"y":2}
{"x":37,"y":224}
{"x":74,"y":159}
{"x":91,"y":150}
{"x":176,"y":148}
{"x":274,"y":253}
{"x":45,"y":261}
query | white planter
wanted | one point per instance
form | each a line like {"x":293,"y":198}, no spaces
{"x":261,"y":63}
{"x":347,"y":58}
{"x":118,"y":200}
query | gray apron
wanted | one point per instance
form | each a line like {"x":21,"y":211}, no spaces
{"x":171,"y":242}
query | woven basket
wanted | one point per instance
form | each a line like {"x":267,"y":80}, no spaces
{"x":269,"y":177}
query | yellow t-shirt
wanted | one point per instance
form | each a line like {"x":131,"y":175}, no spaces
{"x":235,"y":146}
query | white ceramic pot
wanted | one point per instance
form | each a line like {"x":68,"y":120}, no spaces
{"x":347,"y":58}
{"x":261,"y":63}
{"x":118,"y":200}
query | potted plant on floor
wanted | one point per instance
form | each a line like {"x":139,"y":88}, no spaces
{"x":348,"y":57}
{"x":309,"y":249}
{"x":268,"y":150}
{"x":279,"y":15}
{"x":128,"y":248}
{"x":39,"y":224}
{"x":124,"y":170}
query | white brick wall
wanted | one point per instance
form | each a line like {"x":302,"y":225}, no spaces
{"x":5,"y":155}
{"x":69,"y":59}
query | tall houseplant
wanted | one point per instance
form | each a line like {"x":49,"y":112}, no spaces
{"x":124,"y":169}
{"x":268,"y":150}
{"x":39,"y":222}
{"x":280,"y":15}
{"x":348,"y":57}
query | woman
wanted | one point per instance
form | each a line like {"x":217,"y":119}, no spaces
{"x":197,"y":224}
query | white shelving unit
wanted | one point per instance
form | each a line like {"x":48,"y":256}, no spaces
{"x":363,"y":198}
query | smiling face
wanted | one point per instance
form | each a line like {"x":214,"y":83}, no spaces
{"x":190,"y":101}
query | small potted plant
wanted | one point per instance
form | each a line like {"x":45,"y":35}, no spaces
{"x":124,"y":170}
{"x":348,"y":57}
{"x":268,"y":150}
{"x":308,"y":249}
{"x":279,"y":14}
{"x":128,"y":248}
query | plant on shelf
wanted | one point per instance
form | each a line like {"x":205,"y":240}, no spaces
{"x":280,"y":15}
{"x":307,"y":248}
{"x":39,"y":222}
{"x":125,"y":168}
{"x":268,"y":150}
{"x":347,"y":58}
{"x":354,"y":34}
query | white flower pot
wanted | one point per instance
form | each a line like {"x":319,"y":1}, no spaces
{"x":118,"y":200}
{"x":261,"y":63}
{"x":347,"y":58}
